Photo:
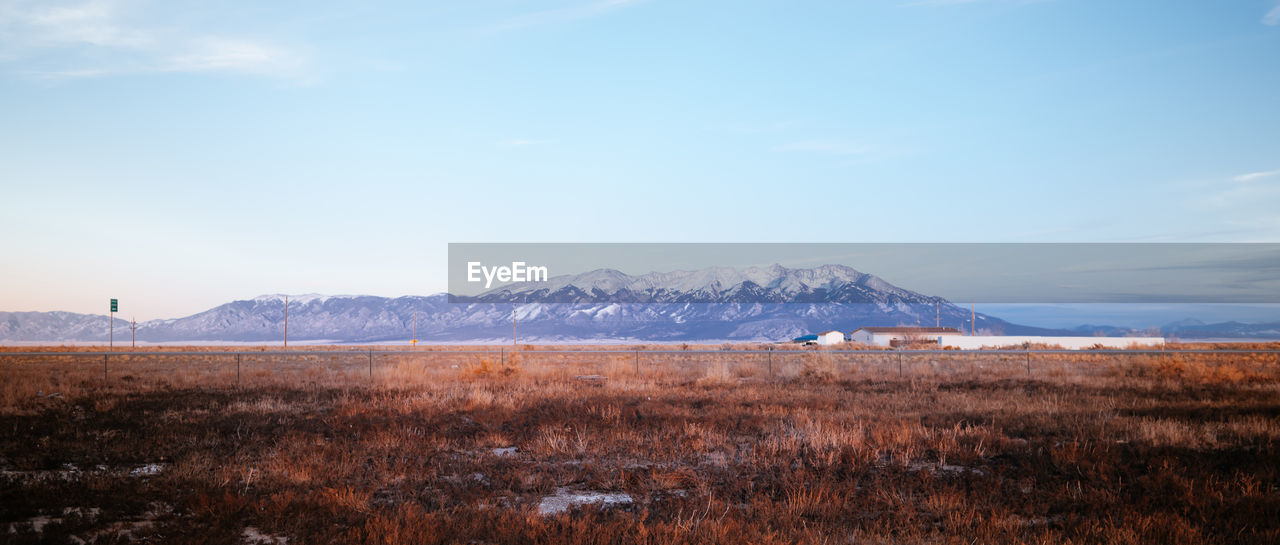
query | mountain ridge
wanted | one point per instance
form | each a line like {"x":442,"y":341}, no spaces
{"x":772,"y":284}
{"x":751,"y":304}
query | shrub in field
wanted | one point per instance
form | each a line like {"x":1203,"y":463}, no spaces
{"x":718,"y":373}
{"x":818,"y":367}
{"x":1191,"y":369}
{"x":487,"y":367}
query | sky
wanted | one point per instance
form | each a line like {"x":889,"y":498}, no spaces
{"x":178,"y":155}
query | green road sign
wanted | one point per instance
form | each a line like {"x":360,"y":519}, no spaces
{"x":113,"y":305}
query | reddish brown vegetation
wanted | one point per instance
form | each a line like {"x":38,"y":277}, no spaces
{"x":807,"y":448}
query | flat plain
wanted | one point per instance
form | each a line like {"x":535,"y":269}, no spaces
{"x":622,"y":445}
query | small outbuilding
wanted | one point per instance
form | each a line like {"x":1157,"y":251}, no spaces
{"x":828,"y":338}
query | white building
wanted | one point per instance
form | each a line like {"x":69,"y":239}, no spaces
{"x":894,"y":336}
{"x":945,"y":337}
{"x":830,"y":338}
{"x":970,"y":342}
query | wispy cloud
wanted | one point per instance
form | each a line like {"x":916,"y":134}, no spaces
{"x":97,"y":38}
{"x":562,"y":15}
{"x":1244,"y":194}
{"x":1255,"y":176}
{"x":1272,"y":17}
{"x":834,"y":147}
{"x":38,"y":25}
{"x":234,"y":55}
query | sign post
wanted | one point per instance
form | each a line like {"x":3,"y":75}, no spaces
{"x":111,"y":340}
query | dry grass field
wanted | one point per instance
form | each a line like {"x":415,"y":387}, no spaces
{"x":708,"y":446}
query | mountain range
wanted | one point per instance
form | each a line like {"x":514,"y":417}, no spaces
{"x":1191,"y":328}
{"x":774,"y":284}
{"x":716,"y":304}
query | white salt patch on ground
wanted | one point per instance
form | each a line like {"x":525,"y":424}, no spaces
{"x":251,"y":536}
{"x":945,"y":468}
{"x":37,"y":523}
{"x":67,"y":473}
{"x":148,"y":470}
{"x":565,"y":498}
{"x":87,"y":512}
{"x":506,"y":451}
{"x":70,"y":472}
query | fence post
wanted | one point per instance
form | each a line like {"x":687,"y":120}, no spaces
{"x":1028,"y":363}
{"x":771,"y":362}
{"x":637,"y":362}
{"x":502,"y":356}
{"x":104,"y":367}
{"x":237,"y":370}
{"x":899,"y":363}
{"x":370,"y":363}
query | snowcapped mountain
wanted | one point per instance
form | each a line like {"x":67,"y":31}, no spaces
{"x":773,"y":284}
{"x":315,"y":317}
{"x":1194,"y":329}
{"x":58,"y":326}
{"x":759,"y":303}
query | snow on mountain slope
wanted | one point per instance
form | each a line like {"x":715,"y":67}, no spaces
{"x":773,"y":284}
{"x":58,"y":326}
{"x":757,"y":303}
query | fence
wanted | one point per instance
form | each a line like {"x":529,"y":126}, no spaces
{"x":218,"y":367}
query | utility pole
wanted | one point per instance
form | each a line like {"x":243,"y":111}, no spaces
{"x":937,"y":314}
{"x":133,"y":336}
{"x":973,"y":318}
{"x":514,"y":338}
{"x":286,"y":321}
{"x":414,"y":340}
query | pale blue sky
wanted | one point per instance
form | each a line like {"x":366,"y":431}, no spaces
{"x":180,"y":154}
